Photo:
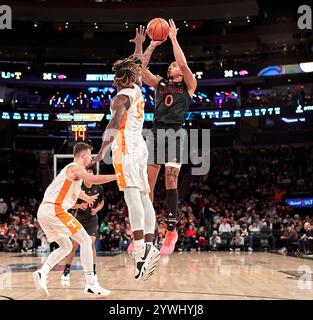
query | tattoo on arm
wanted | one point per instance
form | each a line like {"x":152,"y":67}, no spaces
{"x":172,"y":173}
{"x":147,"y":55}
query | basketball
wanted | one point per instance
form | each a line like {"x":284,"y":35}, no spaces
{"x":158,"y":29}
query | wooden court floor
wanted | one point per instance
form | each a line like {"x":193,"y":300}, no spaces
{"x":190,"y":276}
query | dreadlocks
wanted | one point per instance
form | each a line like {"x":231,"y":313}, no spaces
{"x":126,"y":71}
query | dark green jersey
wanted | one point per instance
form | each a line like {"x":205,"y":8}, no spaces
{"x":172,"y":101}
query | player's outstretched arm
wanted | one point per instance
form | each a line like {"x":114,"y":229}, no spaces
{"x":79,"y":173}
{"x":147,"y":76}
{"x":139,"y":40}
{"x":180,"y":58}
{"x":119,"y":107}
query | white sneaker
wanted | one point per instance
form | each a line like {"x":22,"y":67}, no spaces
{"x":230,"y":250}
{"x":96,"y":289}
{"x":250,"y":249}
{"x":66,"y":276}
{"x":146,"y":261}
{"x":41,"y":282}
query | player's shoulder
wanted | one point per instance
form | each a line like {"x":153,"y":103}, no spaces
{"x":122,"y":98}
{"x":161,"y":81}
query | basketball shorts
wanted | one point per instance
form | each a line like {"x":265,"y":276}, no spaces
{"x":89,"y":222}
{"x":131,"y":170}
{"x":56,"y":222}
{"x":166,"y":147}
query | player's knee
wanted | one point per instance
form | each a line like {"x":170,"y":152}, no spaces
{"x":88,"y":241}
{"x":67,"y":245}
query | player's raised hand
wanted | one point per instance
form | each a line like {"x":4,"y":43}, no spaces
{"x":173,"y":30}
{"x":140,"y":35}
{"x":92,"y":199}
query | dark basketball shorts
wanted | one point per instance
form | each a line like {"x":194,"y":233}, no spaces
{"x":89,"y":222}
{"x":166,"y":146}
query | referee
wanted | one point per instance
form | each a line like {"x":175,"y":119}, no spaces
{"x":87,"y":216}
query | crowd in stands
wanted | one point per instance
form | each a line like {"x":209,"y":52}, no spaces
{"x":239,"y":205}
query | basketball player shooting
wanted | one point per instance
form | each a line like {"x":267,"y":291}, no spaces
{"x":130,"y":157}
{"x":59,"y":225}
{"x":172,"y":100}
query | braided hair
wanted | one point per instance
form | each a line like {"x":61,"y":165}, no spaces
{"x":126,"y":71}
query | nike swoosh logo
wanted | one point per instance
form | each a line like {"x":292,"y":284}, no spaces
{"x":148,"y":247}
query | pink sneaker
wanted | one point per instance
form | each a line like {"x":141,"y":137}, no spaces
{"x":130,"y":249}
{"x":169,"y":242}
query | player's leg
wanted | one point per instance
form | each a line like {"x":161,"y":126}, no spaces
{"x":58,"y":232}
{"x":68,"y":262}
{"x":144,"y":253}
{"x":86,"y":256}
{"x":153,"y":173}
{"x":94,"y":254}
{"x":149,"y":227}
{"x":171,"y":181}
{"x":56,"y":256}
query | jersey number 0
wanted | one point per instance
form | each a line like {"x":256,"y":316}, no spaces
{"x":169,"y":100}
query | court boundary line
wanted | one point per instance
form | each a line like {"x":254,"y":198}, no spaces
{"x":169,"y":291}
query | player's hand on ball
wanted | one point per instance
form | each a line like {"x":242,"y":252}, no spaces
{"x":173,"y":30}
{"x":140,"y":35}
{"x":92,"y":199}
{"x":157,"y":43}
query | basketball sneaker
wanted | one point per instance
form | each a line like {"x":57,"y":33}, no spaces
{"x":96,"y":289}
{"x":146,"y":261}
{"x":66,"y":275}
{"x":41,"y":282}
{"x":168,"y":245}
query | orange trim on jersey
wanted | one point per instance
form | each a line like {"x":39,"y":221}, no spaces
{"x":118,"y":168}
{"x":63,"y":192}
{"x":67,"y":219}
{"x":120,"y":138}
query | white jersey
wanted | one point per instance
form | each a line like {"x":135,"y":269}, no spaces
{"x":63,"y":191}
{"x":129,"y":138}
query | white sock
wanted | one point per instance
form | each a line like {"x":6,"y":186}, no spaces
{"x":45,"y":269}
{"x":90,"y":278}
{"x":138,"y":245}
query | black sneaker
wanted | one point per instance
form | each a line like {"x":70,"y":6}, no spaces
{"x":66,"y":275}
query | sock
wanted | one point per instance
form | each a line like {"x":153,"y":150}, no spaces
{"x":90,"y":278}
{"x":94,"y":269}
{"x":172,"y":205}
{"x":138,"y":244}
{"x":172,"y":201}
{"x":45,"y":268}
